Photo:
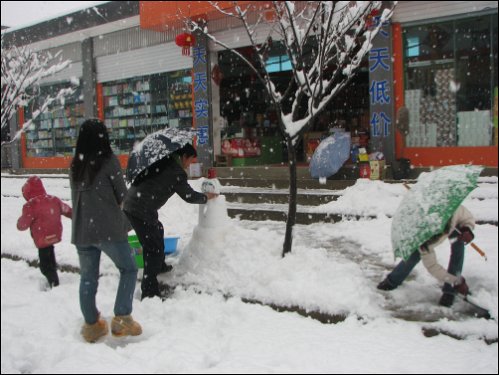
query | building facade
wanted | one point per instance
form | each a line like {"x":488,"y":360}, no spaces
{"x":439,"y":63}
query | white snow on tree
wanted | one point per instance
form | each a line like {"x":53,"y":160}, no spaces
{"x":22,"y":71}
{"x":325,"y":42}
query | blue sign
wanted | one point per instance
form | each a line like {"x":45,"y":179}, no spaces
{"x":201,"y":108}
{"x":203,"y":135}
{"x":380,"y":92}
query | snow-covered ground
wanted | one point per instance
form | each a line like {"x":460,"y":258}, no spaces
{"x":206,"y":326}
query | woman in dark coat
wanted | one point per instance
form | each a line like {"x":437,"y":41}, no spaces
{"x":149,"y":192}
{"x":99,"y":225}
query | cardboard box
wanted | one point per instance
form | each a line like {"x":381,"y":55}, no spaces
{"x":377,"y":169}
{"x":363,"y":157}
{"x":364,"y":170}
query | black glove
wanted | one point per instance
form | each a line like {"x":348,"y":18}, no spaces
{"x":466,"y":235}
{"x":461,"y":287}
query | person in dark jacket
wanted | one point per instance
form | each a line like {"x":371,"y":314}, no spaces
{"x":42,"y":214}
{"x":148,"y":193}
{"x":99,"y":225}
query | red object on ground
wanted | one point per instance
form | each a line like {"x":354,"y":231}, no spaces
{"x":212,"y":173}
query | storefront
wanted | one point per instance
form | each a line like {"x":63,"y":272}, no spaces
{"x":250,"y":132}
{"x":444,"y":71}
{"x":136,"y":92}
{"x":135,"y":107}
{"x":449,"y":74}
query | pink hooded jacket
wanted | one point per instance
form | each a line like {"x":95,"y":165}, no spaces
{"x":42,"y":214}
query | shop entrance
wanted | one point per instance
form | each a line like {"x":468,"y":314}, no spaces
{"x":250,"y":132}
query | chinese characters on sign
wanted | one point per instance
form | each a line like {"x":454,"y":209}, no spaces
{"x":201,"y":99}
{"x":200,"y":83}
{"x":202,"y":135}
{"x":380,"y":91}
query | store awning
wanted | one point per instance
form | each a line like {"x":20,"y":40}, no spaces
{"x":168,"y":15}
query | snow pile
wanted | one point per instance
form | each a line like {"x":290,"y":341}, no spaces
{"x":367,"y":198}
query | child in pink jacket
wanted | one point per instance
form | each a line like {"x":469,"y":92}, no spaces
{"x":42,"y":214}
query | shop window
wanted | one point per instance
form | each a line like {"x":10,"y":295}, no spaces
{"x":139,"y":106}
{"x":413,"y":47}
{"x":179,"y":86}
{"x":449,"y":82}
{"x":53,"y":133}
{"x":278,"y":64}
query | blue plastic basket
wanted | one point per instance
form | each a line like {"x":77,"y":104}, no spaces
{"x":170,"y":248}
{"x":170,"y":244}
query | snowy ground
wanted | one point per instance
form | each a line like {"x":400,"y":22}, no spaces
{"x":206,"y":327}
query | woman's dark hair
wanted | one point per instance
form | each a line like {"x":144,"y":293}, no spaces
{"x":92,"y":149}
{"x":188,"y":150}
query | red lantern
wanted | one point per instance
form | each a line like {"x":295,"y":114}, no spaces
{"x":186,"y":41}
{"x":371,"y":18}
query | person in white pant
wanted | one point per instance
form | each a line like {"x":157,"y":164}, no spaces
{"x":459,"y":231}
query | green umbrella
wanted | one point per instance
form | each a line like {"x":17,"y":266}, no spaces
{"x":427,"y":208}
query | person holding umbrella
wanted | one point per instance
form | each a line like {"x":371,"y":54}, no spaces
{"x":430,"y":212}
{"x":460,"y":233}
{"x":155,"y":177}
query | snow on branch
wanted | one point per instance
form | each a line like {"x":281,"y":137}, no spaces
{"x":22,"y":71}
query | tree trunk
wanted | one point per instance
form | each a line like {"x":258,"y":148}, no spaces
{"x":291,"y":220}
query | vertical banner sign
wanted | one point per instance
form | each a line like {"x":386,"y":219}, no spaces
{"x":201,"y":94}
{"x":381,"y":94}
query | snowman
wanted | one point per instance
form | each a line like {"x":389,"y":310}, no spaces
{"x":210,"y":236}
{"x":213,"y":214}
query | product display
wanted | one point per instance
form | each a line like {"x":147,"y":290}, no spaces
{"x":54,"y":132}
{"x":139,"y":106}
{"x":432,"y":119}
{"x":473,"y":128}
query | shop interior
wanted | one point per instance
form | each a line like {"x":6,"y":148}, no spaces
{"x":53,"y":133}
{"x":132,"y":108}
{"x":251,"y":134}
{"x":449,"y":83}
{"x":139,"y":106}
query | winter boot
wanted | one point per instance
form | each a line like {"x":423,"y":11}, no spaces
{"x":386,"y":285}
{"x":124,"y":325}
{"x":53,"y":280}
{"x":92,"y":332}
{"x":446,"y":300}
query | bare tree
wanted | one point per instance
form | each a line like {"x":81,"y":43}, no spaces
{"x":325,"y":42}
{"x":22,"y":71}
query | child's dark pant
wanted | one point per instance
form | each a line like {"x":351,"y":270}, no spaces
{"x":48,"y":266}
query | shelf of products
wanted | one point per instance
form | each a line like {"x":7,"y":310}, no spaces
{"x":54,"y":132}
{"x":180,"y":99}
{"x":126,"y":111}
{"x":139,"y":106}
